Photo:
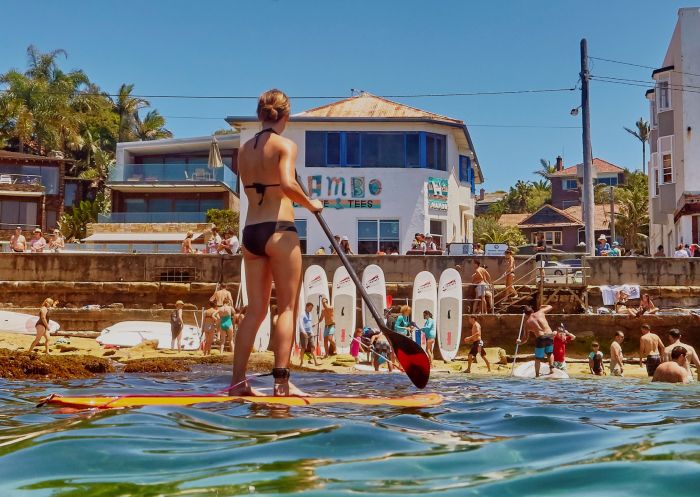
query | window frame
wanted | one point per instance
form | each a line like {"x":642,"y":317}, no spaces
{"x":549,"y":235}
{"x":378,"y":241}
{"x":566,"y":183}
{"x":654,"y":174}
{"x":663,"y":86}
{"x":665,"y":149}
{"x":653,"y":112}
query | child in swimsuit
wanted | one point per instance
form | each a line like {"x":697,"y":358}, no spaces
{"x":355,"y":345}
{"x":595,"y":360}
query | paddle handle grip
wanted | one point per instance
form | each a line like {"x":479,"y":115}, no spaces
{"x":344,"y":259}
{"x":517,"y":344}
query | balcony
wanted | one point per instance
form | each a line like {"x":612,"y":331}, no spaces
{"x":26,"y":185}
{"x":180,"y":177}
{"x":153,"y":217}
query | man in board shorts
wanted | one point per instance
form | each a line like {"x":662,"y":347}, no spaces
{"x":536,"y":323}
{"x":477,"y":344}
{"x":651,"y":347}
{"x":306,"y":336}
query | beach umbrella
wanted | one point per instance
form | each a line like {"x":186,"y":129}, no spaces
{"x":215,"y":160}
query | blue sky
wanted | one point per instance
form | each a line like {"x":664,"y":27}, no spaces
{"x":384,"y":47}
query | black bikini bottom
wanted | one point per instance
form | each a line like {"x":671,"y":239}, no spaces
{"x":255,"y":236}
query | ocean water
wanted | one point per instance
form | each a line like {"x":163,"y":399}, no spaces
{"x":491,"y":437}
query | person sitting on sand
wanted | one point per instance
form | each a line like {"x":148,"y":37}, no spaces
{"x":595,"y":360}
{"x":536,"y":323}
{"x":306,"y":335}
{"x":691,"y":356}
{"x":477,"y":343}
{"x":211,"y":316}
{"x":226,"y":325}
{"x":428,"y":330}
{"x":18,"y":243}
{"x":403,"y":322}
{"x":621,"y":299}
{"x":673,"y":371}
{"x":176,"y":325}
{"x":381,"y":352}
{"x":42,"y":325}
{"x":651,"y":347}
{"x":562,"y":338}
{"x":646,"y":306}
{"x":617,"y":361}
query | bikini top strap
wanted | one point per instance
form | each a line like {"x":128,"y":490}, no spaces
{"x":257,"y":135}
{"x":260,"y":189}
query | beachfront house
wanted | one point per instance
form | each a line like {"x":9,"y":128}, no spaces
{"x":566,"y":182}
{"x":163,"y":188}
{"x":35,"y":191}
{"x":674,"y":165}
{"x":384,"y":171}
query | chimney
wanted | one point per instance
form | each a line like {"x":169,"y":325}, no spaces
{"x":559,"y":165}
{"x":481,"y":194}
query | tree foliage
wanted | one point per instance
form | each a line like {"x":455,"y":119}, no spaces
{"x":224,"y":219}
{"x":632,"y":220}
{"x":523,"y":197}
{"x":487,"y":229}
{"x":642,"y":134}
{"x":73,"y":225}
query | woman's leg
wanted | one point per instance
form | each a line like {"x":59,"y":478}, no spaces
{"x":429,"y":348}
{"x":47,"y":335}
{"x":285,"y":261}
{"x":258,"y":285}
{"x":40,"y":331}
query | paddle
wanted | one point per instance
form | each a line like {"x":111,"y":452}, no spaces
{"x":517,"y":343}
{"x":410,"y":355}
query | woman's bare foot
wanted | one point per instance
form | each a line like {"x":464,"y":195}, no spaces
{"x":287,"y":389}
{"x":243,"y":389}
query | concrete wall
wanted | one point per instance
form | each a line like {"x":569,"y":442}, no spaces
{"x":647,"y":271}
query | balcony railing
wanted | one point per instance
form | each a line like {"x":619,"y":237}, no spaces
{"x":173,"y":173}
{"x":29,"y":182}
{"x":152,"y":217}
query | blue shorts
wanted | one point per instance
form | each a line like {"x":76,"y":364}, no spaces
{"x":329,"y":331}
{"x":543,"y":347}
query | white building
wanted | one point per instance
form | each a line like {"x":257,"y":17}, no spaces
{"x":384,"y":170}
{"x":674,"y":166}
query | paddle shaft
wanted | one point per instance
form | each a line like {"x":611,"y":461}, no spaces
{"x":517,"y":343}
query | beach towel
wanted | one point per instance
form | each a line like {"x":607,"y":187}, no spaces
{"x":609,"y":292}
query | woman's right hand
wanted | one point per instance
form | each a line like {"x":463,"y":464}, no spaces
{"x":316,"y":205}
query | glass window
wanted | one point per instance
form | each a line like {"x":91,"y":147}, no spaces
{"x":50,"y":219}
{"x":667,"y":168}
{"x":315,"y":149}
{"x":333,"y":149}
{"x":134,"y":205}
{"x":383,"y":150}
{"x":412,"y":150}
{"x":435,"y":152}
{"x":570,"y":184}
{"x":186,"y":205}
{"x":376,"y":235}
{"x":49,"y":178}
{"x":430,"y":152}
{"x":611,"y":181}
{"x":664,"y":93}
{"x":160,"y":205}
{"x":69,"y":194}
{"x":353,"y":149}
{"x":301,"y":231}
{"x":652,"y":110}
{"x":28,"y":213}
{"x":210,"y":203}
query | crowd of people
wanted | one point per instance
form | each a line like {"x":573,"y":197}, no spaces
{"x":38,"y":243}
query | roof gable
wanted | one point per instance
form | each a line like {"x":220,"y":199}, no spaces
{"x":600,"y":165}
{"x":548,"y":215}
{"x":371,"y":106}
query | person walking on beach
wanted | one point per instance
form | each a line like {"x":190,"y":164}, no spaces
{"x":403,"y":322}
{"x":428,"y":330}
{"x":536,"y":323}
{"x":226,"y":317}
{"x":481,"y":279}
{"x":651,"y":347}
{"x":328,"y":318}
{"x":42,"y":325}
{"x":675,"y":370}
{"x":18,"y":243}
{"x":271,"y":247}
{"x":595,"y":360}
{"x":306,"y":335}
{"x":176,"y":325}
{"x":617,"y":361}
{"x":674,"y":337}
{"x":211,"y":315}
{"x":477,"y":344}
{"x":561,"y":339}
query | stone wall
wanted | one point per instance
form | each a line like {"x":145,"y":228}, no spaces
{"x":646,"y":271}
{"x":93,"y":228}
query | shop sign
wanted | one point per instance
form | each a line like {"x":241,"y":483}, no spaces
{"x":437,"y":193}
{"x":338,"y":192}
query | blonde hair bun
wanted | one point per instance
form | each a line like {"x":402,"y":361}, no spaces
{"x":273,"y":105}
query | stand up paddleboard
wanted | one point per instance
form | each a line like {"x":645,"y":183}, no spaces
{"x":424,"y":299}
{"x":449,"y":330}
{"x":375,"y":286}
{"x":527,"y":370}
{"x":262,"y":338}
{"x":344,"y":298}
{"x":133,"y":333}
{"x":25,"y":324}
{"x":315,"y":289}
{"x":114,"y":402}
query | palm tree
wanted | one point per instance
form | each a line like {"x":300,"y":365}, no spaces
{"x":43,"y":65}
{"x":642,"y":134}
{"x":127,"y":107}
{"x":152,"y":127}
{"x":546,"y":168}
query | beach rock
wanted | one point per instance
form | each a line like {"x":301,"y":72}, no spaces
{"x":156,"y":365}
{"x":21,"y":365}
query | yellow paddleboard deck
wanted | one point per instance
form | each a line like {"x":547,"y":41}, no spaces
{"x":113,"y":402}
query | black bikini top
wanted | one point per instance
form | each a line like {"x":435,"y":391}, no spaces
{"x":260,"y":187}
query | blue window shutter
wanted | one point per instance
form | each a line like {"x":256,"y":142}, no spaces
{"x":422,"y":150}
{"x":343,"y":149}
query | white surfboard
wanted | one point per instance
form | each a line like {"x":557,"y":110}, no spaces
{"x":25,"y":324}
{"x":344,"y":301}
{"x":375,"y":286}
{"x":424,"y":299}
{"x":262,"y":338}
{"x":527,"y":370}
{"x":449,"y":330}
{"x":315,"y":289}
{"x":132,"y":333}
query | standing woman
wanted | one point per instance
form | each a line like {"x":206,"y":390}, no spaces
{"x":42,"y":325}
{"x":186,"y":247}
{"x":429,"y":332}
{"x":403,"y":322}
{"x":510,"y":275}
{"x":270,"y":242}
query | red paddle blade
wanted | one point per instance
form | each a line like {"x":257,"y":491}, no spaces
{"x":389,"y":301}
{"x":411,"y":356}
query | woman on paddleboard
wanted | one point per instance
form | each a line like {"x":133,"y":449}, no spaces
{"x":271,"y":248}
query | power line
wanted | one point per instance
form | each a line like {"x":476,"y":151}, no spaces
{"x":319,"y":97}
{"x":640,"y":65}
{"x":647,"y":82}
{"x":603,"y":79}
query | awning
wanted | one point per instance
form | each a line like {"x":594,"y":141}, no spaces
{"x":138,"y":237}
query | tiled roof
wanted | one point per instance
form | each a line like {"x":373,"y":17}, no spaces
{"x":570,"y":219}
{"x":368,"y":105}
{"x":602,"y":215}
{"x":490,"y":198}
{"x":572,"y":214}
{"x":600,"y":166}
{"x":512,"y":219}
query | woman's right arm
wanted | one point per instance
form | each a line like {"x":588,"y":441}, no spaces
{"x":288,"y":179}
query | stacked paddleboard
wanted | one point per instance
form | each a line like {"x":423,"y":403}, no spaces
{"x":133,"y":333}
{"x":449,"y":313}
{"x":375,"y":286}
{"x":316,"y":289}
{"x":527,"y":370}
{"x":18,"y":322}
{"x":262,"y":339}
{"x":425,"y":298}
{"x":344,"y":295}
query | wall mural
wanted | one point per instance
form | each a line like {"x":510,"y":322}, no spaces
{"x":335,"y":190}
{"x":437,"y":193}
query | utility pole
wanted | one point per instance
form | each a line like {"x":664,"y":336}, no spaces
{"x":612,"y":213}
{"x":587,"y":203}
